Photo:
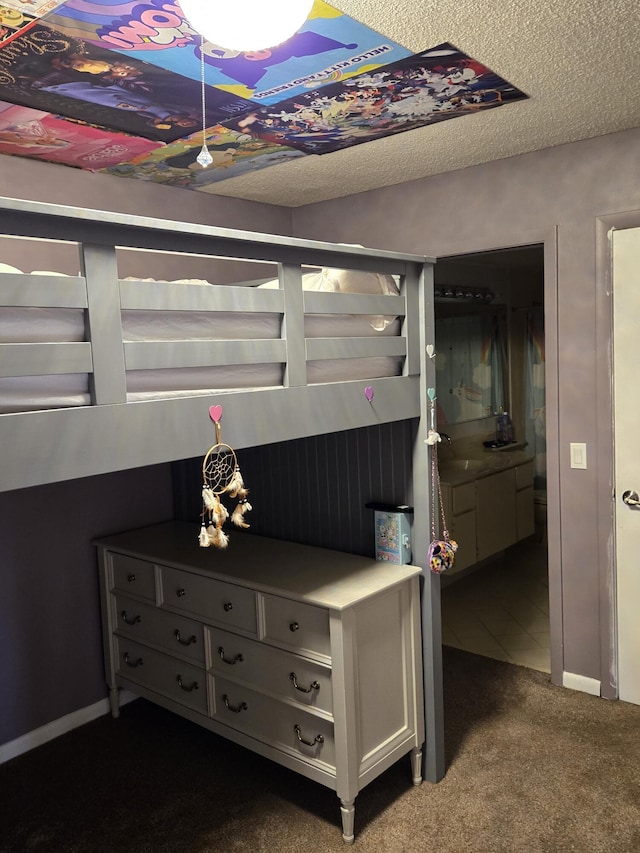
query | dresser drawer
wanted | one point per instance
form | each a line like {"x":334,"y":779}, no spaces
{"x":273,"y":670}
{"x":213,"y":600}
{"x":175,"y":679}
{"x":133,"y":576}
{"x":175,"y":633}
{"x":300,"y":627}
{"x":273,"y":722}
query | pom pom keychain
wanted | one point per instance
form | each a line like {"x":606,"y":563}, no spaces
{"x":442,"y":552}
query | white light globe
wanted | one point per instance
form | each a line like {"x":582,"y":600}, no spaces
{"x":246,"y":25}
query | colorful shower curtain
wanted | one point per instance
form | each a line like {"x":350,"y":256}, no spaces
{"x":535,"y":412}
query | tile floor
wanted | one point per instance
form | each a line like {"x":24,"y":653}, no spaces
{"x":502,"y":610}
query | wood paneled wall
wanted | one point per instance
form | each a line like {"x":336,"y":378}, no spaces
{"x":314,"y":490}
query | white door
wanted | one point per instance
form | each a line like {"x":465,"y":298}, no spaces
{"x":626,"y":359}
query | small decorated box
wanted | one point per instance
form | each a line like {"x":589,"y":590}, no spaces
{"x":392,"y":532}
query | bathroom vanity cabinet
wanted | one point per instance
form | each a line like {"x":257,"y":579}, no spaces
{"x":488,"y":507}
{"x":307,"y":656}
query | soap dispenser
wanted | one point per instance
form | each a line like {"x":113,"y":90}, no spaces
{"x":507,"y":428}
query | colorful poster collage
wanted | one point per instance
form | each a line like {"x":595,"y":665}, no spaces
{"x":233,"y":154}
{"x":430,"y":87}
{"x":328,"y":47}
{"x":33,"y":133}
{"x":90,"y":81}
{"x":50,"y":71}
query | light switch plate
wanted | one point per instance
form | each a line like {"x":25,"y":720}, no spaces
{"x":578,"y":454}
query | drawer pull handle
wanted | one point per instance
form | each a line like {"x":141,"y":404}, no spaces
{"x":227,"y":606}
{"x":188,"y":641}
{"x":293,"y":626}
{"x":237,"y":659}
{"x":133,"y":663}
{"x":130,"y":620}
{"x":181,"y":592}
{"x":193,"y":686}
{"x":317,"y":738}
{"x":313,"y":686}
{"x":131,"y":578}
{"x":241,"y":707}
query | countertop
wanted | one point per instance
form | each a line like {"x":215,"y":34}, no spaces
{"x":455,"y":472}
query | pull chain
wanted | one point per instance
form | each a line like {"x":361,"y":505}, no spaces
{"x":204,"y":158}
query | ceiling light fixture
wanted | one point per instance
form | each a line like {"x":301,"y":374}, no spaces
{"x":248,"y":26}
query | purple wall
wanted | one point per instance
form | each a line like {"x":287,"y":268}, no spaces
{"x":555,"y":196}
{"x":50,"y":638}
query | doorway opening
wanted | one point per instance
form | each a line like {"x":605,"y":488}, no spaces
{"x":489,"y":319}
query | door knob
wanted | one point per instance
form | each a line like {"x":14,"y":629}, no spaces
{"x":630,"y":498}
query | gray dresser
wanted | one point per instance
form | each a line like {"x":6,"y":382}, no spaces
{"x":309,"y":657}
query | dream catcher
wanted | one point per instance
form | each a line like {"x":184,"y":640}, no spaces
{"x":221,"y":476}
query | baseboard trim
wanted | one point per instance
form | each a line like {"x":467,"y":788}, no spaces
{"x":581,"y":682}
{"x":54,"y":729}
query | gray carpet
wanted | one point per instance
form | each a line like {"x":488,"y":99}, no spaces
{"x":531,"y":768}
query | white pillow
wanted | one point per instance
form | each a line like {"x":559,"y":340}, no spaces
{"x":333,"y":280}
{"x":354,"y":281}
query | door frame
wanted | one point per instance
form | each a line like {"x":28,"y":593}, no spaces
{"x":604,"y":225}
{"x":546,"y":236}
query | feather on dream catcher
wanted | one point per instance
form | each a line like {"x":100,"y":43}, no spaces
{"x":221,"y":476}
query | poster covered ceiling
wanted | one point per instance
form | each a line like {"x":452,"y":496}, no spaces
{"x":117,"y":87}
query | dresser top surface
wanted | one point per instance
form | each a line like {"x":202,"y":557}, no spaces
{"x":317,"y":575}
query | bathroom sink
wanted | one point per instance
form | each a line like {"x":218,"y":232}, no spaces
{"x":463,"y":465}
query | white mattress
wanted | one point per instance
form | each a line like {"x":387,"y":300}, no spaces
{"x":30,"y":325}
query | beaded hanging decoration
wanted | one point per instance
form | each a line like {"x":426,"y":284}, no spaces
{"x":442,"y":552}
{"x":221,"y":476}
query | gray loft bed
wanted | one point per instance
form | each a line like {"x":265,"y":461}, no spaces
{"x":282,"y":384}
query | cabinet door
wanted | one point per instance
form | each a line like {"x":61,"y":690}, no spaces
{"x":526,"y":525}
{"x":463,"y":530}
{"x":524,"y":475}
{"x":496,"y":513}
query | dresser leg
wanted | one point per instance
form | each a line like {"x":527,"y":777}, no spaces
{"x":114,"y":702}
{"x":416,"y":765}
{"x":348,"y":810}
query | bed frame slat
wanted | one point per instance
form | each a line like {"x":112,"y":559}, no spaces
{"x":323,"y":348}
{"x":353,"y":303}
{"x":42,"y":291}
{"x":44,"y":359}
{"x":104,"y":325}
{"x":295,"y":372}
{"x":147,"y":355}
{"x":164,"y":296}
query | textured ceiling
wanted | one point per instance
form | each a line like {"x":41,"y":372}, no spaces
{"x":579,"y":62}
